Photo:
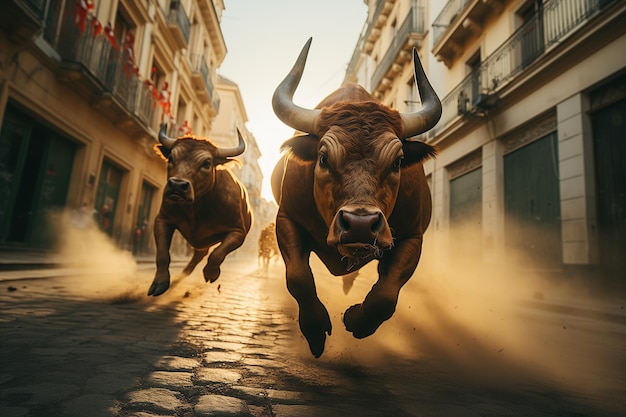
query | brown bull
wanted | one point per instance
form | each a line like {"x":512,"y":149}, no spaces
{"x":351,"y":188}
{"x":203,"y":201}
{"x":267,"y":246}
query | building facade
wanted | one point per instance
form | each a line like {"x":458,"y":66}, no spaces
{"x":531,"y":145}
{"x":83,"y":89}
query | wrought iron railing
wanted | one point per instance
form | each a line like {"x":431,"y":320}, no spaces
{"x":177,"y":15}
{"x":450,"y":12}
{"x":199,"y":65}
{"x":105,"y":67}
{"x":358,"y":50}
{"x":365,"y":33}
{"x":549,"y":26}
{"x":413,"y":23}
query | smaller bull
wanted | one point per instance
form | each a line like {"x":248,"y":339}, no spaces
{"x":203,"y":201}
{"x":268,"y":246}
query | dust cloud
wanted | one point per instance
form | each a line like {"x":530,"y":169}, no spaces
{"x":106,"y":272}
{"x":111,"y":274}
{"x":507,"y":322}
{"x":491,"y":324}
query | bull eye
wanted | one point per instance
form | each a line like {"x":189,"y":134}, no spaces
{"x":398,"y":162}
{"x":206,"y":163}
{"x":323,"y":161}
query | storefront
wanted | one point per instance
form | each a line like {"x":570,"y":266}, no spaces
{"x":35,"y":169}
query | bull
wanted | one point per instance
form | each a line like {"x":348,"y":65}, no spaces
{"x":351,"y":188}
{"x":267,"y":246}
{"x":204,"y":201}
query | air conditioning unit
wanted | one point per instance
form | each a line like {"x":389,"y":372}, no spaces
{"x":485,"y":101}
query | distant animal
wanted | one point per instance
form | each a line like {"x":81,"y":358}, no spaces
{"x":267,"y":246}
{"x":203,"y":200}
{"x":351,"y":188}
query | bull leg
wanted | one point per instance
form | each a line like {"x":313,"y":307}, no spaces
{"x":394,"y":271}
{"x":313,"y":317}
{"x":231,"y":242}
{"x":198,"y":255}
{"x":163,"y":233}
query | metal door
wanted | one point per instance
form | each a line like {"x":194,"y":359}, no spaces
{"x":466,"y":214}
{"x":107,"y":196}
{"x":35,"y":170}
{"x":532,"y":203}
{"x":609,"y":138}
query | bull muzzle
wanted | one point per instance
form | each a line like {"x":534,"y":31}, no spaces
{"x":179,"y":190}
{"x":360,"y":233}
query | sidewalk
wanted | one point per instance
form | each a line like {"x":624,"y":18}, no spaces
{"x":18,"y":265}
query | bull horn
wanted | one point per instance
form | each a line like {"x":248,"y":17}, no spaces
{"x":426,"y":118}
{"x":289,"y":113}
{"x":230,"y":152}
{"x":164,"y":139}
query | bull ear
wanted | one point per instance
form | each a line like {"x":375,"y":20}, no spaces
{"x":415,"y":152}
{"x":163,"y":151}
{"x":303,"y":147}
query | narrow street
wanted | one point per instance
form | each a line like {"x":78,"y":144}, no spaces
{"x":92,"y":344}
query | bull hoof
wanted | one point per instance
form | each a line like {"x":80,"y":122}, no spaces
{"x":211,"y":275}
{"x":158,"y":288}
{"x":358,"y":324}
{"x":315,"y":325}
{"x":316,"y":345}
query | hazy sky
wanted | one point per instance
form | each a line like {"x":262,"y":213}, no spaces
{"x":264,"y":39}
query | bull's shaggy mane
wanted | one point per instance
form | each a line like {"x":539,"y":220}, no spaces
{"x":360,"y":119}
{"x":364,"y":122}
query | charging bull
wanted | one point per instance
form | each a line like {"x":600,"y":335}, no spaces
{"x":204,"y":201}
{"x":267,"y":246}
{"x":351,"y":188}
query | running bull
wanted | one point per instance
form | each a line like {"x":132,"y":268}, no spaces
{"x":203,"y":201}
{"x":351,"y":188}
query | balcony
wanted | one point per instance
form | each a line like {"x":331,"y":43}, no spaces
{"x":178,"y":23}
{"x":95,"y":70}
{"x":479,"y":91}
{"x":202,"y":84}
{"x":459,"y":21}
{"x":379,"y":18}
{"x":209,"y":15}
{"x":410,"y":34}
{"x":201,"y":78}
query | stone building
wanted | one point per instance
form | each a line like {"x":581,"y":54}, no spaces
{"x":84,"y":87}
{"x":531,"y":144}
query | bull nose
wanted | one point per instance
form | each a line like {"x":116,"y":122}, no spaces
{"x":178,"y":185}
{"x":357,"y":228}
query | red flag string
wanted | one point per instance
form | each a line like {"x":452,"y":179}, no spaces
{"x":128,"y":51}
{"x":83,"y":14}
{"x":82,"y":9}
{"x":185,"y":129}
{"x":108,"y":32}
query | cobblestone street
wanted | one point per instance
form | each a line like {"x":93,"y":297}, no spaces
{"x":94,"y":345}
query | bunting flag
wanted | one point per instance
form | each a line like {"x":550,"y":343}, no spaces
{"x":128,"y":55}
{"x":164,"y":101}
{"x":108,"y":32}
{"x":82,"y":10}
{"x":97,"y":27}
{"x":185,"y":129}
